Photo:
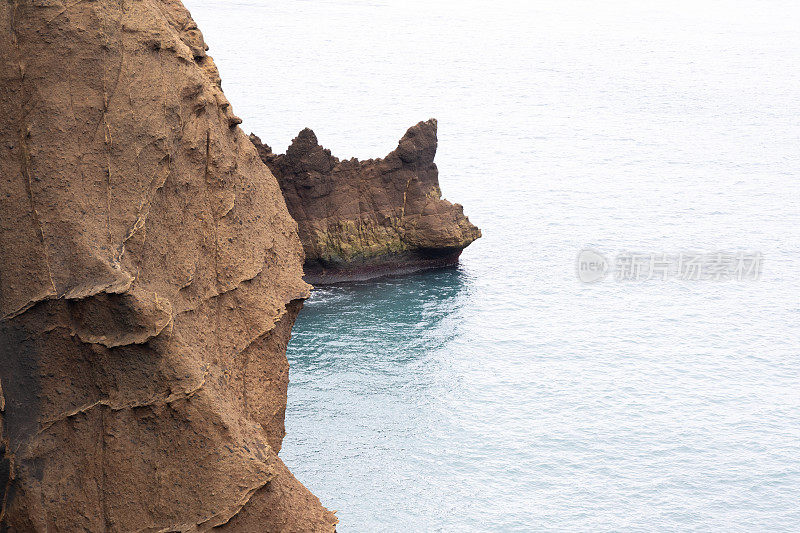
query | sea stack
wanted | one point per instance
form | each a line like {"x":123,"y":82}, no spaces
{"x":150,"y":275}
{"x":362,"y":219}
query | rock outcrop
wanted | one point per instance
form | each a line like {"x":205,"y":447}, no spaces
{"x":150,"y":275}
{"x":359,"y":219}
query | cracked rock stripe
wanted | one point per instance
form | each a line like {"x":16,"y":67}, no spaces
{"x":150,"y":275}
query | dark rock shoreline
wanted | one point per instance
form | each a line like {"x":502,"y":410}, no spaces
{"x":362,"y":219}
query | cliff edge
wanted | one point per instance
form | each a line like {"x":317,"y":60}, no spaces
{"x":150,"y":275}
{"x":360,"y":219}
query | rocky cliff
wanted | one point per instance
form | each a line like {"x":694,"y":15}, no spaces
{"x":150,"y":275}
{"x":358,"y":219}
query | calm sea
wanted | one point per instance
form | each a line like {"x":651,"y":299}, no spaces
{"x":506,"y":395}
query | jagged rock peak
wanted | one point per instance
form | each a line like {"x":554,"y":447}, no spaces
{"x":419,"y":143}
{"x":359,"y":219}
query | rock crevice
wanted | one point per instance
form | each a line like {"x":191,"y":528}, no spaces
{"x":150,"y":274}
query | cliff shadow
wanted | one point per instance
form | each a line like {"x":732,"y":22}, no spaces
{"x":389,"y":320}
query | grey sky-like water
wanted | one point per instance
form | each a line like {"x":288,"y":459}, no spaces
{"x":505,"y":395}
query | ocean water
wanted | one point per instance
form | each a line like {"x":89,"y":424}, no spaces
{"x":505,"y":395}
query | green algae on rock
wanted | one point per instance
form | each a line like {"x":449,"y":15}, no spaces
{"x":361,"y":219}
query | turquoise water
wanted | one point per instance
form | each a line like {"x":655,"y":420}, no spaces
{"x":505,"y":395}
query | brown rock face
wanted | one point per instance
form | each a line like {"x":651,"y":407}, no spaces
{"x":150,"y":275}
{"x":359,"y":219}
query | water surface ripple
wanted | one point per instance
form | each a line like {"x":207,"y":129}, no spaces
{"x":504,"y":395}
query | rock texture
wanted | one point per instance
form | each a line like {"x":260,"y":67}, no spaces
{"x":150,"y":275}
{"x":359,"y":219}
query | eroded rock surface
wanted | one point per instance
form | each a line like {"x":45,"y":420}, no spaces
{"x":359,"y":219}
{"x":150,"y":275}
